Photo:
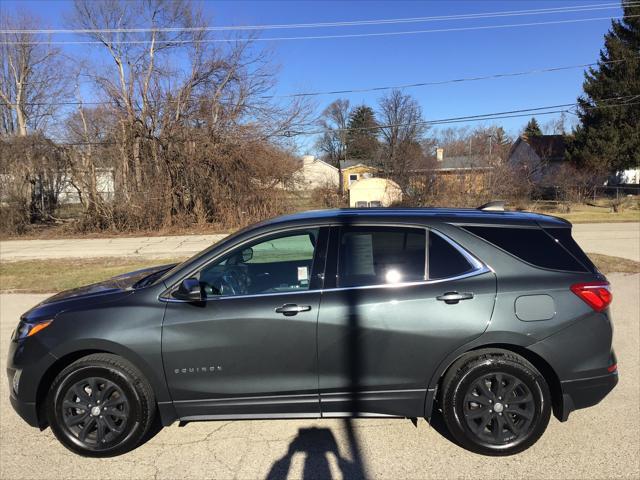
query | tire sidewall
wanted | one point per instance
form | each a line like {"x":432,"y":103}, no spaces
{"x":530,"y":377}
{"x":135,"y":422}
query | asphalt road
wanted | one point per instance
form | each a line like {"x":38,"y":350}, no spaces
{"x":618,"y":239}
{"x":600,"y":442}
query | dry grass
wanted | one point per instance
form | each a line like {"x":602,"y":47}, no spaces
{"x":608,"y":264}
{"x":599,"y":212}
{"x":43,"y":276}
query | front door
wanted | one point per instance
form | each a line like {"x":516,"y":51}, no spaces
{"x":386,"y":325}
{"x":250,"y":348}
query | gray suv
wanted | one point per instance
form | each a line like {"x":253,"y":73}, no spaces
{"x":491,"y":319}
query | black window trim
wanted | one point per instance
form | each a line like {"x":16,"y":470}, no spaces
{"x":478,"y":267}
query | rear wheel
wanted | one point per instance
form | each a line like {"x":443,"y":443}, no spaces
{"x":496,"y":403}
{"x":100,"y":406}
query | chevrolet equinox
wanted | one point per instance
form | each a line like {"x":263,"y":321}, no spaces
{"x":492,"y":319}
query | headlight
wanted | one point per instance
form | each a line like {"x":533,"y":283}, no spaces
{"x":26,"y":329}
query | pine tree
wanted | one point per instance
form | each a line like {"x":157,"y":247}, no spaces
{"x":532,"y":129}
{"x":608,"y":136}
{"x":362,"y":138}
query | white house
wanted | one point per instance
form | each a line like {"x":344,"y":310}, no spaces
{"x":315,"y":173}
{"x":374,"y":192}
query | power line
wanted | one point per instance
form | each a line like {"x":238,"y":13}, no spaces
{"x":525,"y":112}
{"x":486,"y":116}
{"x":312,"y":37}
{"x":392,"y":21}
{"x":371,"y":89}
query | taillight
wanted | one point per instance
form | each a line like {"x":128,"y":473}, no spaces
{"x":595,"y":294}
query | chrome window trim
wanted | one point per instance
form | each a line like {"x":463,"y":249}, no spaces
{"x":473,"y":273}
{"x":479,"y":268}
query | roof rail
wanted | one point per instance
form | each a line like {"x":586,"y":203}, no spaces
{"x":493,"y":206}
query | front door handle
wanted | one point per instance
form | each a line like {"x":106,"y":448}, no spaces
{"x":289,"y":309}
{"x":451,"y":298}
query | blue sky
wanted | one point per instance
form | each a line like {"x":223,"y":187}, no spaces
{"x":330,"y":64}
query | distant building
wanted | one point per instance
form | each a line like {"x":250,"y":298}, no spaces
{"x":630,"y":176}
{"x":314,"y":173}
{"x":374,"y":192}
{"x":354,"y":170}
{"x":467,"y":173}
{"x":105,"y":186}
{"x":539,"y":156}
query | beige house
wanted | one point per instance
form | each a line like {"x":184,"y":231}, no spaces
{"x":353,"y":171}
{"x":315,"y":173}
{"x":374,"y":192}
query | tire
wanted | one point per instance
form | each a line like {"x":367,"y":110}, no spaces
{"x":495,"y":403}
{"x":116,"y":406}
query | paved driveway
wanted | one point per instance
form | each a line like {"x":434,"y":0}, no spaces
{"x":600,"y":442}
{"x":617,"y":239}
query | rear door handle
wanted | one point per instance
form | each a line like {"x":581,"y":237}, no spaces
{"x":454,"y":297}
{"x":289,"y":309}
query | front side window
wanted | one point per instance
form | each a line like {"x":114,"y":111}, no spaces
{"x":276,"y":265}
{"x":381,"y":255}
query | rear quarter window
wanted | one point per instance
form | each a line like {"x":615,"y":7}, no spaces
{"x":532,"y":245}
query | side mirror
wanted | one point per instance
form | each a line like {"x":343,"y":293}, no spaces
{"x":247,"y":254}
{"x":189,"y":290}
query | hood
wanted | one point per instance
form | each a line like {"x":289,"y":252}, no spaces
{"x":115,"y":285}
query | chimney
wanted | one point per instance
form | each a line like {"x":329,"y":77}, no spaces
{"x":308,"y":159}
{"x":439,"y":153}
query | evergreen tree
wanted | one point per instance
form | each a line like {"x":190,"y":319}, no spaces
{"x":608,"y":136}
{"x":532,"y":129}
{"x":362,"y":139}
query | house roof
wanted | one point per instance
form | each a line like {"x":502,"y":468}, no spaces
{"x":356,"y":163}
{"x":547,"y":147}
{"x":463,"y":162}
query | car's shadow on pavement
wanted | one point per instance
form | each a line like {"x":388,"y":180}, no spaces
{"x":317,"y":444}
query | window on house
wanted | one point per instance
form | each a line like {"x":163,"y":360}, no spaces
{"x":352,"y":178}
{"x":381,"y":255}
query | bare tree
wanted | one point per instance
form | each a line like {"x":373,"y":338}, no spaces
{"x":32,"y":79}
{"x":184,"y":114}
{"x":333,"y":142}
{"x":403,"y":129}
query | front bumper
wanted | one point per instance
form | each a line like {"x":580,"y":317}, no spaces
{"x":585,"y":392}
{"x":26,"y":410}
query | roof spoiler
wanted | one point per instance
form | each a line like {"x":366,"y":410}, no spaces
{"x":494,"y":206}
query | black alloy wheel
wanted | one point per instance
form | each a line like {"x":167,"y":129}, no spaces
{"x":95,"y":411}
{"x":498,"y":408}
{"x":495,"y":403}
{"x":100,"y":406}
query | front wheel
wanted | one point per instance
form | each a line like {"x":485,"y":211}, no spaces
{"x":496,"y":403}
{"x":100,"y":406}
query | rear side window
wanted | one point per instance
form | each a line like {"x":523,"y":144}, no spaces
{"x":445,"y":260}
{"x":533,"y":245}
{"x":563,"y":235}
{"x":381,"y":255}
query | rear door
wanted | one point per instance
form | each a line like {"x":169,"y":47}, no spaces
{"x":397,"y":300}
